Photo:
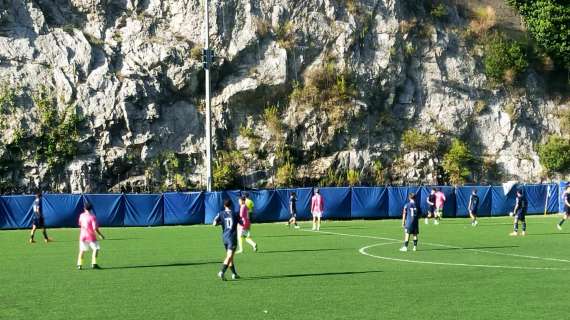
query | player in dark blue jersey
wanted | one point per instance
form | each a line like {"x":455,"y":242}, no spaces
{"x":431,"y":206}
{"x":293,"y":210}
{"x":566,"y":198}
{"x":519,"y":213}
{"x":38,"y":219}
{"x":473,"y":206}
{"x":410,"y":219}
{"x":229,"y":221}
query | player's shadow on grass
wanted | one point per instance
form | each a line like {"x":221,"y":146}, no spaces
{"x":302,"y":250}
{"x":302,"y":275}
{"x":106,"y":239}
{"x":547,"y":233}
{"x":470,"y":248}
{"x":165,"y":265}
{"x":295,"y":235}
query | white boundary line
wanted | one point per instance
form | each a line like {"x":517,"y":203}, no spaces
{"x":392,"y":241}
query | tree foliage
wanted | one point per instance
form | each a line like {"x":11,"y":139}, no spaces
{"x":504,"y":59}
{"x":457,"y":162}
{"x":555,"y":154}
{"x":548,"y":22}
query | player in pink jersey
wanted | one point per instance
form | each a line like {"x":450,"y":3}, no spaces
{"x":245,"y":229}
{"x":88,"y":237}
{"x":439,"y":202}
{"x":317,"y":209}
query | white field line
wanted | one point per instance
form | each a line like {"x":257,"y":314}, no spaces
{"x":447,"y":246}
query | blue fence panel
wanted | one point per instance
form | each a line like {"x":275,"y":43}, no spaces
{"x":337,"y":202}
{"x":108,"y":208}
{"x":267,"y":206}
{"x":552,"y":198}
{"x":502,"y":204}
{"x":462,"y":196}
{"x":17,"y":211}
{"x":369,"y":202}
{"x":536,"y":196}
{"x":398,"y":197}
{"x":62,"y":210}
{"x":143,"y":210}
{"x":183,"y":208}
{"x":562,"y":186}
{"x":213,"y":203}
{"x":303,"y":202}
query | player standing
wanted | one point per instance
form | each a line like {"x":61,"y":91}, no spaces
{"x":229,"y":221}
{"x":410,"y":222}
{"x":293,"y":210}
{"x":566,"y":197}
{"x":88,"y":237}
{"x":38,"y":219}
{"x":317,"y":209}
{"x":244,"y":230}
{"x":439,"y":202}
{"x":473,"y":206}
{"x":431,"y":206}
{"x":519,"y":213}
{"x":249,"y":203}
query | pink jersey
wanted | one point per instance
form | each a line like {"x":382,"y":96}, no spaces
{"x":244,"y":215}
{"x":317,"y":204}
{"x":88,"y":225}
{"x":439,"y":199}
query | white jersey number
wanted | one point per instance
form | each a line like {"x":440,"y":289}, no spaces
{"x":413,"y":212}
{"x":229,"y":222}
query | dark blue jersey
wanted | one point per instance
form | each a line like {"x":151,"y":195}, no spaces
{"x":412,"y":213}
{"x":474,"y":202}
{"x":566,"y":200}
{"x":229,"y":221}
{"x":293,"y":204}
{"x":521,"y":204}
{"x":38,"y":207}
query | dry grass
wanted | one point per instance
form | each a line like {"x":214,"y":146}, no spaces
{"x":485,"y":19}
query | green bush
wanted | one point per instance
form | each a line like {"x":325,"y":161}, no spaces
{"x":504,"y":59}
{"x":555,"y":154}
{"x":414,"y":140}
{"x":272,"y":120}
{"x":378,"y":174}
{"x":439,"y":11}
{"x":457,"y":162}
{"x":548,"y":22}
{"x":352,"y":177}
{"x":223,"y":175}
{"x":285,"y":176}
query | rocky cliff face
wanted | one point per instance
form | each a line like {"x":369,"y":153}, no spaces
{"x":345,"y":78}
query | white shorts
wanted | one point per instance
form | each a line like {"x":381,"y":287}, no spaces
{"x":317,"y":214}
{"x":86,"y":245}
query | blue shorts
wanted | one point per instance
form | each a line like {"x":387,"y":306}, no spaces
{"x":412,"y":228}
{"x":567,"y":210}
{"x":520,"y":216}
{"x":474,"y":211}
{"x":230,"y":245}
{"x":38,"y":222}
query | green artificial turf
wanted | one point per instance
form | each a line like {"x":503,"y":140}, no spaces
{"x":170,"y":273}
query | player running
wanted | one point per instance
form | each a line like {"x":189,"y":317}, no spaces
{"x":519,"y":213}
{"x":229,"y":221}
{"x":410,"y":219}
{"x":566,"y":197}
{"x":317,"y":209}
{"x":88,"y":237}
{"x":431,"y":206}
{"x":38,"y":219}
{"x":249,"y":203}
{"x":293,"y":210}
{"x":473,"y":206}
{"x":245,"y":229}
{"x":439,"y":202}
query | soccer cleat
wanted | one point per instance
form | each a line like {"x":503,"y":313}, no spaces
{"x":318,"y":228}
{"x":514,"y":234}
{"x":426,"y":221}
{"x":255,"y":248}
{"x":297,"y":227}
{"x":404,"y":249}
{"x":221,"y":276}
{"x":79,"y":268}
{"x":476,"y":223}
{"x":435,"y":222}
{"x":95,"y":267}
{"x":32,"y":241}
{"x":235,"y":276}
{"x":524,"y":233}
{"x":239,"y":251}
{"x":314,"y":228}
{"x":415,"y":248}
{"x":559,"y":227}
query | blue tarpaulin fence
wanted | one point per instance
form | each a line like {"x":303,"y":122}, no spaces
{"x":116,"y":210}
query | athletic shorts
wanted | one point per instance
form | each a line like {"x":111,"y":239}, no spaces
{"x":474,"y":211}
{"x":520,"y":216}
{"x":431,"y":209}
{"x":317,"y":214}
{"x":412,"y":228}
{"x":230,"y":245}
{"x":86,"y":245}
{"x":38,"y":222}
{"x":567,"y":210}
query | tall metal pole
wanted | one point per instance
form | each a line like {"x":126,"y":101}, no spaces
{"x":207,"y":61}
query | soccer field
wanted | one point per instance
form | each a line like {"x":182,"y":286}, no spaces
{"x":349,"y":270}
